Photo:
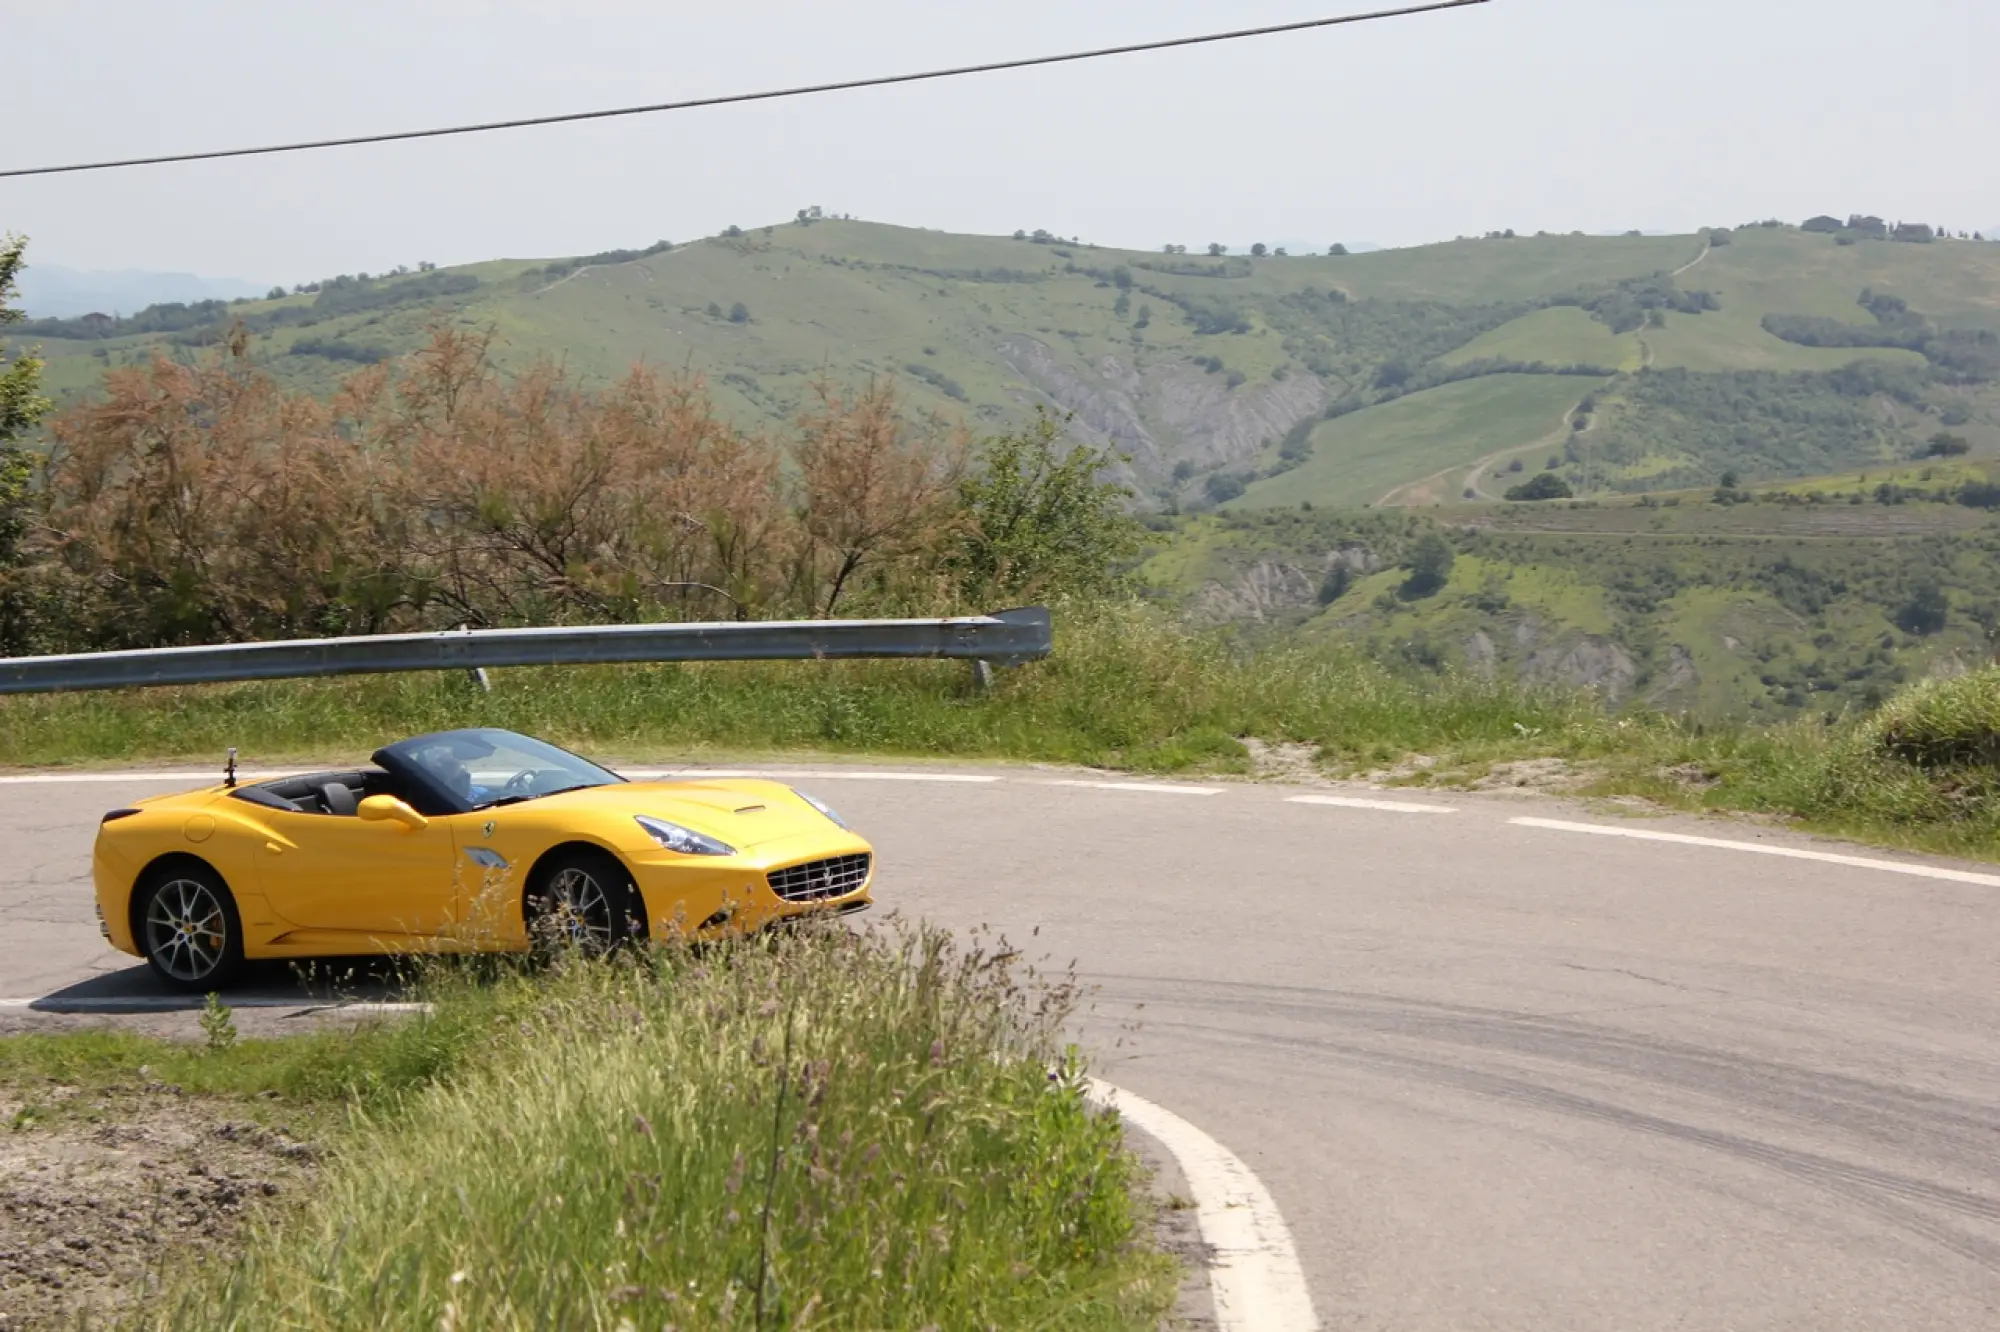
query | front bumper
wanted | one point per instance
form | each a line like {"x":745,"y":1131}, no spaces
{"x":705,"y":897}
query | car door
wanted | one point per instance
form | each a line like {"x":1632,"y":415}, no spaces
{"x":377,"y":879}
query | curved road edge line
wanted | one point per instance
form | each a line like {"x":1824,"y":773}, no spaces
{"x":1254,"y":1273}
{"x":1765,"y":849}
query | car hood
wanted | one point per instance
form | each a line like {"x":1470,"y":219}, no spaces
{"x":743,"y":813}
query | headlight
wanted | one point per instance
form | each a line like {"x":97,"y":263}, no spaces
{"x":822,"y":807}
{"x":684,"y":840}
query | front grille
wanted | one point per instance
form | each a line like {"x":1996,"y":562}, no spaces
{"x":818,"y":879}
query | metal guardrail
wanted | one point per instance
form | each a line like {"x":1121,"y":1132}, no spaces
{"x":1003,"y":638}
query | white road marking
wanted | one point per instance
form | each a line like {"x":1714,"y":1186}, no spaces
{"x":1154,"y":788}
{"x":1764,"y":849}
{"x":1254,"y":1274}
{"x":1357,"y":802}
{"x":167,"y":1003}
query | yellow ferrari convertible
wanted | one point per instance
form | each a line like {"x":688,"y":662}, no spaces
{"x":464,"y":841}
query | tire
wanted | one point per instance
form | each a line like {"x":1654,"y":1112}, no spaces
{"x":188,"y":927}
{"x":585,"y":900}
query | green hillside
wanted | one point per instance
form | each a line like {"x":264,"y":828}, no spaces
{"x":1370,"y":455}
{"x":1344,"y":380}
{"x":1755,"y":603}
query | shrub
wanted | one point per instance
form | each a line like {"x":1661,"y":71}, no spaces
{"x":208,"y":503}
{"x":1542,"y":486}
{"x":1431,"y":562}
{"x":1221,"y":487}
{"x":1944,"y":723}
{"x":1039,"y":519}
{"x":1927,"y":610}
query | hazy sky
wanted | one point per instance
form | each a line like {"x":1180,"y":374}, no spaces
{"x":1558,"y":114}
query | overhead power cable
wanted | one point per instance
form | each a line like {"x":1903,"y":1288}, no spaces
{"x":771,"y":95}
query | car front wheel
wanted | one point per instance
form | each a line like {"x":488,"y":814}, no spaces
{"x":584,"y":900}
{"x":189,"y":929}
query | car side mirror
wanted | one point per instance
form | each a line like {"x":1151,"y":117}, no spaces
{"x":388,"y":809}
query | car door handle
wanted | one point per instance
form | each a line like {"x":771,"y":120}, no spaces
{"x":274,"y":848}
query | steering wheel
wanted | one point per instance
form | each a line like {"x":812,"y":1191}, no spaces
{"x":522,"y":782}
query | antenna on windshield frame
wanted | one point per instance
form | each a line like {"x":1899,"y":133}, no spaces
{"x":229,"y":769}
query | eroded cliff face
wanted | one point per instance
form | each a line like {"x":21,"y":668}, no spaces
{"x":1161,"y":412}
{"x":1276,"y":589}
{"x":1519,"y":645}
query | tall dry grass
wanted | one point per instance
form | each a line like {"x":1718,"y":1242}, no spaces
{"x":823,"y":1130}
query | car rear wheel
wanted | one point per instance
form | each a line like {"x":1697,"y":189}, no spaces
{"x":189,"y":928}
{"x":584,"y":900}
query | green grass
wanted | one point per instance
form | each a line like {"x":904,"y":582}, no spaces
{"x":1129,"y":688}
{"x":372,"y":1067}
{"x":1733,"y":338}
{"x":1561,"y":335}
{"x":821,"y":1130}
{"x":1360,"y":457}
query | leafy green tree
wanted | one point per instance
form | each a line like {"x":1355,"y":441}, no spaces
{"x":1541,"y":486}
{"x":1944,"y":444}
{"x":1041,"y":519}
{"x":1123,"y":305}
{"x":21,"y":406}
{"x":1431,"y":560}
{"x":1258,"y":251}
{"x":1926,"y":611}
{"x":739,"y":313}
{"x":1217,"y":249}
{"x":1336,"y":251}
{"x":1222,"y":487}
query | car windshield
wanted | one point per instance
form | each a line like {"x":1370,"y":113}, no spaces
{"x":482,"y":768}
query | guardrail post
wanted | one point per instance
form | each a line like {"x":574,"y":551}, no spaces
{"x":478,"y":673}
{"x":982,"y":675}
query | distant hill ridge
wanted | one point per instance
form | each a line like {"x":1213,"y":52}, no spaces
{"x":50,"y":291}
{"x":1411,"y":376}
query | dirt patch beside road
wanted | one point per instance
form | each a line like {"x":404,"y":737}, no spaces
{"x":98,"y":1188}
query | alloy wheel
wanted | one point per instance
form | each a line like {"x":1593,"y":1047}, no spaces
{"x":580,"y":910}
{"x":187,"y":930}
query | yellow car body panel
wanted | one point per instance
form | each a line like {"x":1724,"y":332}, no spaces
{"x":313,"y":884}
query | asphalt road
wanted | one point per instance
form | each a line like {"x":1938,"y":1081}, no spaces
{"x":1494,"y":1075}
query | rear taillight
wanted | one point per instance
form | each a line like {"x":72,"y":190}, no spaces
{"x":112,"y":816}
